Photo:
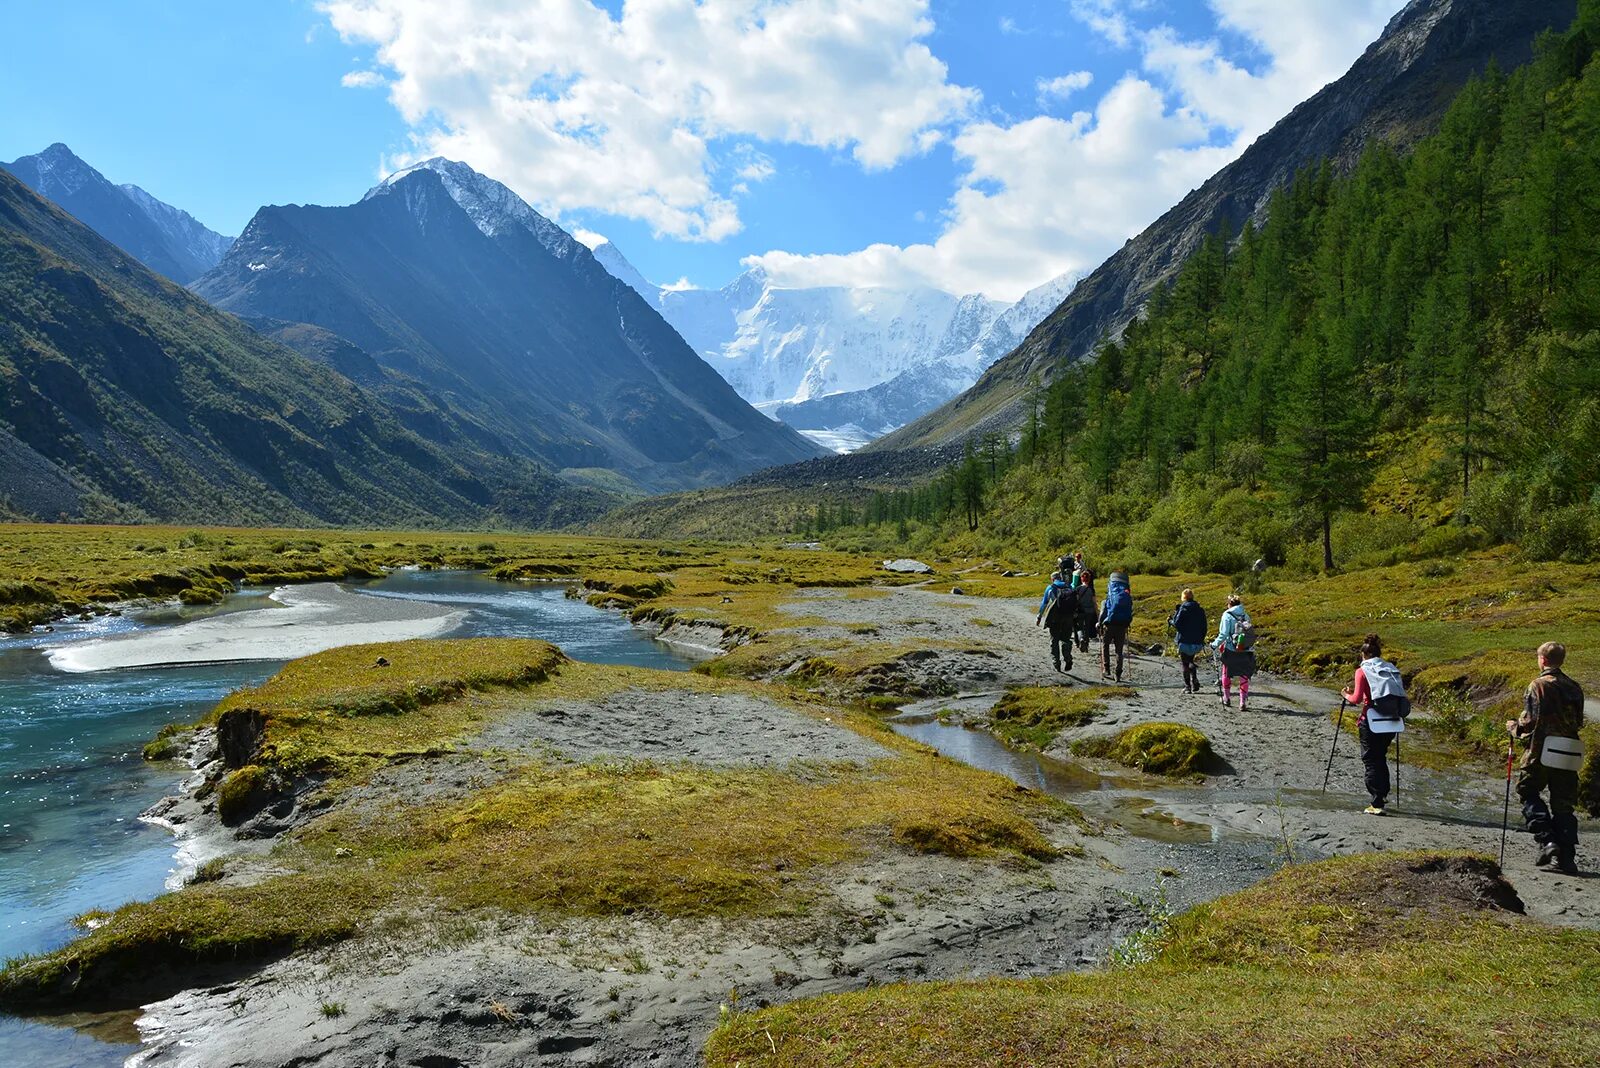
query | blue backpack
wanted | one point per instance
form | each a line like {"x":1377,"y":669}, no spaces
{"x":1119,"y":604}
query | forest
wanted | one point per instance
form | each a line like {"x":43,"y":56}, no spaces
{"x":1394,"y":362}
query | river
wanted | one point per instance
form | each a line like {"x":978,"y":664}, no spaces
{"x":73,"y":783}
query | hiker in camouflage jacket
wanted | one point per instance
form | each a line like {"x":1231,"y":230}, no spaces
{"x":1553,"y":709}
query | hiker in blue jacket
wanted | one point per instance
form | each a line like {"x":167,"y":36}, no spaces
{"x":1190,"y":627}
{"x":1057,"y":612}
{"x":1116,"y":615}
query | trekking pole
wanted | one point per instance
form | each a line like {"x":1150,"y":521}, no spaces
{"x":1397,"y":767}
{"x":1505,"y":816}
{"x":1338,"y":728}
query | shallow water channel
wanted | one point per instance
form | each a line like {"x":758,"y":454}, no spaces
{"x":72,"y":781}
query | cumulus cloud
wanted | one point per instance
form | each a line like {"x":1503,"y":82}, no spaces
{"x":1064,"y":86}
{"x":362,"y":79}
{"x":641,"y":114}
{"x":1049,"y":196}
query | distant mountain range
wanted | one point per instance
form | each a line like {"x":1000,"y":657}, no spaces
{"x":163,"y":238}
{"x":125,"y":397}
{"x":1396,"y":93}
{"x":454,"y":287}
{"x":844,"y":365}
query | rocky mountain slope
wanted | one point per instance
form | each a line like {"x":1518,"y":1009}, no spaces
{"x":447,"y":278}
{"x":1395,"y":93}
{"x":827,"y":358}
{"x":122,"y":396}
{"x":160,"y":236}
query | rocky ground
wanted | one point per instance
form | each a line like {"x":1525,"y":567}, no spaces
{"x":627,"y":990}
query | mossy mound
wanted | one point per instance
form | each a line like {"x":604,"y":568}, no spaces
{"x":1170,"y":749}
{"x":1368,"y":960}
{"x":242,"y":792}
{"x":366,"y":702}
{"x":1034,"y":715}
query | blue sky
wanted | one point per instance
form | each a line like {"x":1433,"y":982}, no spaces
{"x":831,"y":141}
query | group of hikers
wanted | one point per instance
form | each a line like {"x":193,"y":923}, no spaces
{"x":1549,"y":726}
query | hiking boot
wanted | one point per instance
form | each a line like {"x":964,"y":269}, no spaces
{"x":1374,"y":810}
{"x":1567,"y":862}
{"x":1547,"y":855}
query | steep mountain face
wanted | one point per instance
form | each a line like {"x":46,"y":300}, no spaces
{"x":122,"y":396}
{"x":158,"y":235}
{"x":448,"y":279}
{"x":844,"y":365}
{"x":1396,"y":93}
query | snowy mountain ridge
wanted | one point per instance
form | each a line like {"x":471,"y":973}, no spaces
{"x":163,"y":238}
{"x":842,"y":365}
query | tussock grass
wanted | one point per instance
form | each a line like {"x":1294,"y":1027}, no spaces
{"x":1361,"y":961}
{"x":1171,"y":749}
{"x":1034,"y":715}
{"x":340,"y":709}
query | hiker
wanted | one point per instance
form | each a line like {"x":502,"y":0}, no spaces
{"x":1116,"y":615}
{"x":1376,"y":690}
{"x":1189,"y":626}
{"x":1088,"y":607}
{"x":1077,"y":562}
{"x":1551,"y":717}
{"x":1235,"y":647}
{"x":1058,"y":612}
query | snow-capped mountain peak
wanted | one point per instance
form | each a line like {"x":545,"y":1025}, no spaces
{"x":806,"y":351}
{"x":491,"y":205}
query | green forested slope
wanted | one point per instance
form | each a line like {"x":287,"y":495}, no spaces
{"x":1400,"y":361}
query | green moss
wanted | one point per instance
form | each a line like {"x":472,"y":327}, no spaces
{"x":242,"y":792}
{"x":1375,"y":959}
{"x":1034,"y":715}
{"x":1171,"y":749}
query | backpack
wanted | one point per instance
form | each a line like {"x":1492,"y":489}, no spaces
{"x":1243,"y":638}
{"x":1060,"y":608}
{"x":1119,"y":604}
{"x":1389,"y":700}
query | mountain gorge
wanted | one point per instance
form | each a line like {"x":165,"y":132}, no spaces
{"x":836,"y":362}
{"x":125,"y":397}
{"x":1395,"y":93}
{"x":451,"y":283}
{"x":163,"y":238}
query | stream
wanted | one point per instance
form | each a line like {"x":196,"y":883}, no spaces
{"x":73,"y":782}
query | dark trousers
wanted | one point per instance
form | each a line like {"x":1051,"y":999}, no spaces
{"x":1061,"y":646}
{"x":1375,"y":759}
{"x":1555,"y":824}
{"x":1116,"y":634}
{"x":1085,"y":632}
{"x":1191,"y":673}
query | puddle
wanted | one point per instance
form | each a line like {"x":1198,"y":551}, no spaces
{"x":1144,"y":817}
{"x":1097,"y":793}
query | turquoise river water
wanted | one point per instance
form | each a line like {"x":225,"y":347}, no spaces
{"x":72,"y":782}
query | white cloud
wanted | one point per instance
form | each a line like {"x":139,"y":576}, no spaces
{"x":362,"y":79}
{"x":589,"y":238}
{"x":1064,"y":86}
{"x":681,"y":285}
{"x":1049,"y":196}
{"x":575,"y":109}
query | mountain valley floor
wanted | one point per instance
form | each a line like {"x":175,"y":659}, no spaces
{"x":808,"y":850}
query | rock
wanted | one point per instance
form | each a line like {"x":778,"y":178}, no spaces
{"x":957,"y":590}
{"x":383,"y":661}
{"x":907,"y":566}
